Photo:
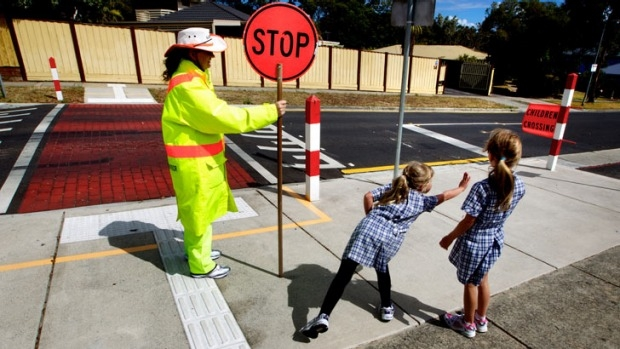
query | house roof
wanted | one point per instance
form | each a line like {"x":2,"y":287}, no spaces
{"x":204,"y":12}
{"x":449,"y":52}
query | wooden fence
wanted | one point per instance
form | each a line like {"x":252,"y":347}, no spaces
{"x":97,"y":53}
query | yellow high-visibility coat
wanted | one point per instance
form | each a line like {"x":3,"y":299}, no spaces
{"x":194,"y":122}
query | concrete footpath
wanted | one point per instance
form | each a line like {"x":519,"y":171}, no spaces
{"x":113,"y":276}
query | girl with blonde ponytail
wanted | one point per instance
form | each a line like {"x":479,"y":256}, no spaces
{"x":390,"y":211}
{"x":480,"y":235}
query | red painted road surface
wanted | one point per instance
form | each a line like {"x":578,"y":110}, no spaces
{"x":100,"y":153}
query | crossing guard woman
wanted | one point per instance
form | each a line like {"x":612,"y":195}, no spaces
{"x":194,"y":121}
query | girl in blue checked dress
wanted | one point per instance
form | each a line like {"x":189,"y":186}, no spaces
{"x":390,"y":211}
{"x":480,"y":235}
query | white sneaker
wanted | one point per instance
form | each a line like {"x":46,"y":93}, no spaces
{"x":217,"y":273}
{"x":387,"y":313}
{"x":215,"y":254}
{"x":317,"y":325}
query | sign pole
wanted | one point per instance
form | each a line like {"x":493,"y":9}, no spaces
{"x":280,"y":238}
{"x":403,"y":86}
{"x":269,"y":45}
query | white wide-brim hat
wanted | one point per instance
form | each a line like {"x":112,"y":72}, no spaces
{"x":198,"y":39}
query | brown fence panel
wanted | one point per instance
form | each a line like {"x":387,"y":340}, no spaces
{"x":318,"y":75}
{"x":344,"y":69}
{"x":151,"y":48}
{"x":373,"y":71}
{"x":441,"y":77}
{"x":394,"y":73}
{"x":107,"y":53}
{"x":8,"y":57}
{"x":238,"y":70}
{"x":38,"y":41}
{"x":423,"y":75}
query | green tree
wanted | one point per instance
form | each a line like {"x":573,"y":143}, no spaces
{"x":525,"y":42}
{"x":357,"y":24}
{"x":447,"y":31}
{"x":353,"y":23}
{"x":87,"y":11}
{"x":594,"y":32}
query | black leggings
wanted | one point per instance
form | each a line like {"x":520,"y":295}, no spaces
{"x":342,"y":279}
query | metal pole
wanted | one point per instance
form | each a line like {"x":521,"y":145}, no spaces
{"x":403,"y":85}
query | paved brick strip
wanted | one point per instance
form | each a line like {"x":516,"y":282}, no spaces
{"x":102,"y":153}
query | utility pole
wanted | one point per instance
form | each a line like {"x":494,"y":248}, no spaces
{"x":594,"y":68}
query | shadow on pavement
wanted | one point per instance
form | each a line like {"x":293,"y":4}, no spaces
{"x":309,"y":284}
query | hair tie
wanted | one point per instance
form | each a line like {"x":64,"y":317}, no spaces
{"x":503,"y":158}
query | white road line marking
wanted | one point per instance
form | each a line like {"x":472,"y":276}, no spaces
{"x":11,"y":121}
{"x":452,"y":141}
{"x":16,"y":175}
{"x":250,"y":161}
{"x":13,"y":115}
{"x":297,"y":150}
{"x":15,"y":110}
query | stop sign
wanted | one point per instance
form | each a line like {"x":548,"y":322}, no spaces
{"x":280,"y":33}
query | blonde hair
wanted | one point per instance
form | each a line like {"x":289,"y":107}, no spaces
{"x":504,"y":146}
{"x":416,"y":175}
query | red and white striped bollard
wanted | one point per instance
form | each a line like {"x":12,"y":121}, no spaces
{"x":55,"y":79}
{"x":313,"y":147}
{"x":560,"y":125}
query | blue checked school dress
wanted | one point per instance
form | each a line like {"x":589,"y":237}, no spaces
{"x":475,"y":252}
{"x":378,"y":236}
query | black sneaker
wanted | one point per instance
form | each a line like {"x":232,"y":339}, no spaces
{"x":317,"y":325}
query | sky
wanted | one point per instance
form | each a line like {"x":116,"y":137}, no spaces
{"x":469,"y":12}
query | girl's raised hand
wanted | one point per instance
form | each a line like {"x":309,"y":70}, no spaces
{"x":465,"y":181}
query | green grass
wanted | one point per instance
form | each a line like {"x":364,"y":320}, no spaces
{"x":599,"y":103}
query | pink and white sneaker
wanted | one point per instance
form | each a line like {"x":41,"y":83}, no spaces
{"x":457,"y":323}
{"x":481,"y":323}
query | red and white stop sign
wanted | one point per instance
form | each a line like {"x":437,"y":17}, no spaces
{"x":280,"y":33}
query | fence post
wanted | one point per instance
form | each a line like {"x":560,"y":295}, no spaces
{"x":560,"y":125}
{"x":313,"y":147}
{"x":55,"y":78}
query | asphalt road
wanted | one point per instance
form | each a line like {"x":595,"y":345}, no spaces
{"x":357,"y":139}
{"x":16,"y":127}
